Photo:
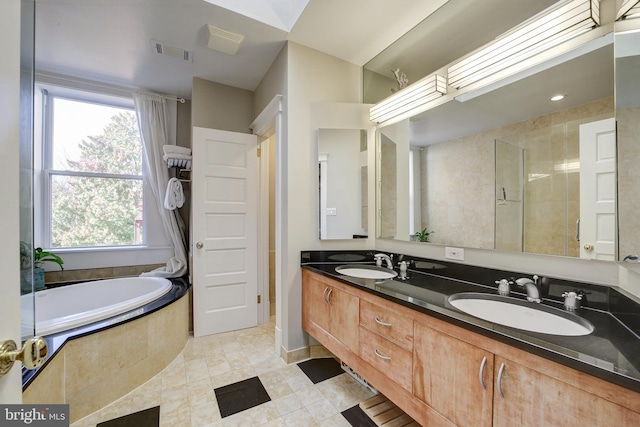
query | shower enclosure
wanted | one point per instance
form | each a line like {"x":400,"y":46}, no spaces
{"x":509,"y":227}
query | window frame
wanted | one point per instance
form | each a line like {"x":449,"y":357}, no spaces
{"x":155,"y":247}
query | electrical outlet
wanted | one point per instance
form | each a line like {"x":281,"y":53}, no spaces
{"x":454,"y":253}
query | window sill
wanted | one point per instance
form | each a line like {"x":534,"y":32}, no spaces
{"x":85,"y":258}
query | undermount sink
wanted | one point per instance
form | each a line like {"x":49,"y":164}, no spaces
{"x":366,"y":272}
{"x":521,"y":314}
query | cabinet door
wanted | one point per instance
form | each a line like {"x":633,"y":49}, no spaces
{"x":528,"y":398}
{"x":334,"y":310}
{"x":314,"y":304}
{"x":453,"y":377}
{"x":344,"y":313}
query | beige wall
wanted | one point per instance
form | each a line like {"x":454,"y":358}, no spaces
{"x":275,"y":82}
{"x":217,"y":106}
{"x":312,"y":77}
{"x":303,"y":76}
{"x":183,"y":126}
{"x":183,"y":139}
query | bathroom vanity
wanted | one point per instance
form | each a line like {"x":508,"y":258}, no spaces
{"x":446,"y":368}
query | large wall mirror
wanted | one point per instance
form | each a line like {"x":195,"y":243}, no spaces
{"x":627,"y":52}
{"x":507,"y":168}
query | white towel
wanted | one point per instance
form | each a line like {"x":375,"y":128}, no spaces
{"x":175,"y":149}
{"x":179,"y":163}
{"x":178,"y":160}
{"x":174,"y":198}
{"x":177,"y":156}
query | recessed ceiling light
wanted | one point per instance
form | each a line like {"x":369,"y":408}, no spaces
{"x":557,"y":97}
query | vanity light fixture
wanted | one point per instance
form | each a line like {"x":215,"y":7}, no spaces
{"x":410,"y":98}
{"x":557,"y":98}
{"x":630,"y":9}
{"x":546,"y":30}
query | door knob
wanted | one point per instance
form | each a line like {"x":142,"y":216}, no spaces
{"x":199,"y":245}
{"x":588,"y":248}
{"x":32,"y":354}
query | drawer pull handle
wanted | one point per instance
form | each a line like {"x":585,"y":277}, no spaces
{"x":329,"y":296}
{"x":381,"y":356}
{"x":324,"y":295}
{"x":481,"y":372}
{"x":380,"y":322}
{"x":499,"y":380}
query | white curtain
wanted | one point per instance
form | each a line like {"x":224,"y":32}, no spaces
{"x":152,"y":120}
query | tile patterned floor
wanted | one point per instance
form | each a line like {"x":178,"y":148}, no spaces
{"x":184,"y":390}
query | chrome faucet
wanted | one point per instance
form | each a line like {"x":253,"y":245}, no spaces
{"x":387,"y":258}
{"x":504,"y":286}
{"x":533,"y":295}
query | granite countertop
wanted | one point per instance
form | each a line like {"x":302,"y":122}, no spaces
{"x":611,"y":352}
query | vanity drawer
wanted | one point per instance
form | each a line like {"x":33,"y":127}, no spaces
{"x":384,"y":322}
{"x":387,"y":357}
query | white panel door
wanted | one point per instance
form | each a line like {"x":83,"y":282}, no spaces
{"x":224,"y":231}
{"x":10,"y":384}
{"x":598,"y":190}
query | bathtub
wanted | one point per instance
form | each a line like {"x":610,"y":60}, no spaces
{"x":72,"y":306}
{"x":92,"y":366}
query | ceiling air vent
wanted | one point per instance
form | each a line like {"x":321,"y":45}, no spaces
{"x":173,"y":51}
{"x":223,"y":41}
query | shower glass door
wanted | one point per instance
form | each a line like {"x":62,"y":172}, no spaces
{"x":509,"y":197}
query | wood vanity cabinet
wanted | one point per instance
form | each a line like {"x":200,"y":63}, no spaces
{"x":444,"y":375}
{"x":331,"y":308}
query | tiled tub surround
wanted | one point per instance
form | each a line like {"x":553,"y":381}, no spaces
{"x":61,"y":277}
{"x":92,"y":366}
{"x":611,"y":352}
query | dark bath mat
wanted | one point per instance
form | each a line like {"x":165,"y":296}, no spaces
{"x":146,"y":418}
{"x":321,"y":369}
{"x":240,"y":396}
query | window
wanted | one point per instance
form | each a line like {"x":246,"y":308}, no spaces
{"x":92,"y":171}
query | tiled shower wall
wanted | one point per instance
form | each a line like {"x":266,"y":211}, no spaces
{"x":628,"y":122}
